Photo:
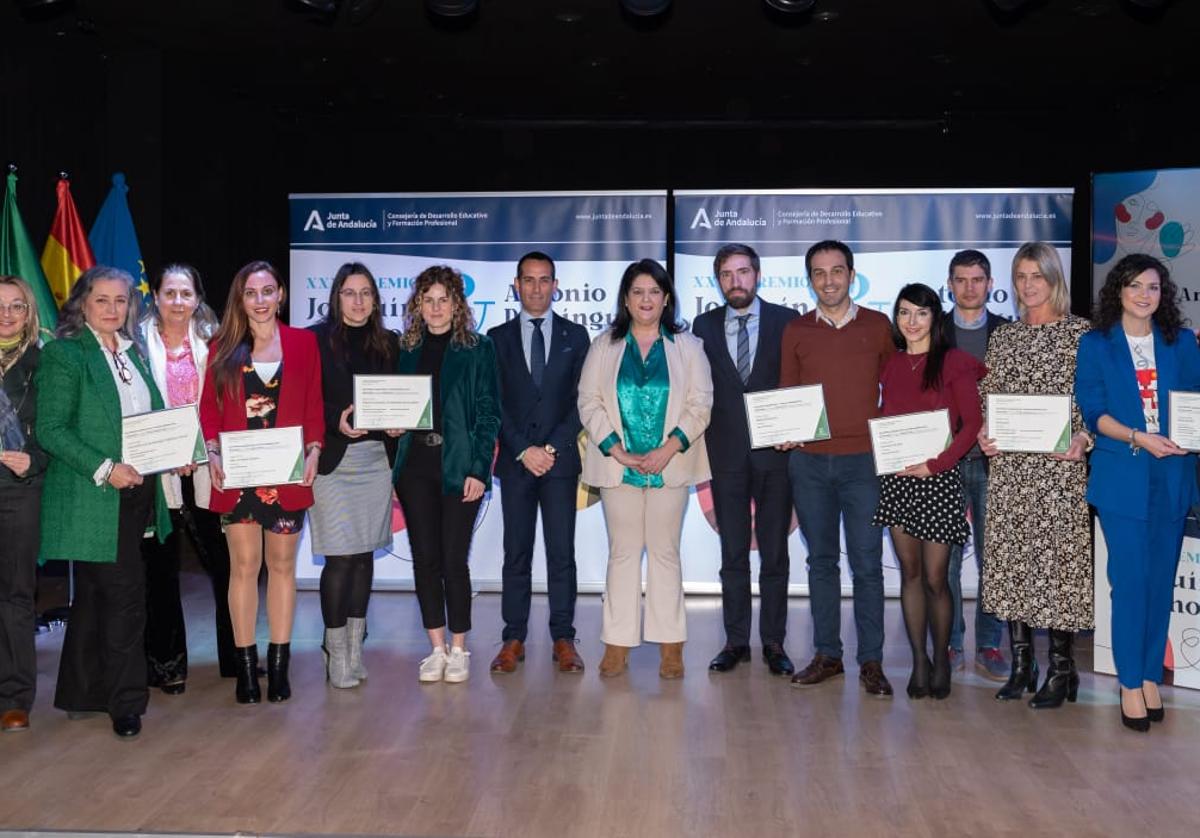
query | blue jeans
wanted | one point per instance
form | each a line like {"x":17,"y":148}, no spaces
{"x":825,"y":489}
{"x":988,"y":629}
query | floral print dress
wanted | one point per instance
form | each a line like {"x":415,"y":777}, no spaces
{"x":261,"y":504}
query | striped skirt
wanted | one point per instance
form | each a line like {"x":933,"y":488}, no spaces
{"x":352,"y":510}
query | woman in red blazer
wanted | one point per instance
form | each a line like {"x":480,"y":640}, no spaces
{"x":261,"y":374}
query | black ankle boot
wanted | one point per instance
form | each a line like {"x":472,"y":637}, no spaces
{"x":246,"y":660}
{"x":278,"y":656}
{"x":1062,"y":679}
{"x":1024,"y":672}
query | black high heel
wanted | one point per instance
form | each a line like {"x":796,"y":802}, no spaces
{"x":247,"y":691}
{"x":1139,"y":723}
{"x":939,"y":683}
{"x":1024,"y":674}
{"x":278,"y":687}
{"x":918,"y":682}
{"x":1062,"y":679}
{"x":1155,"y":714}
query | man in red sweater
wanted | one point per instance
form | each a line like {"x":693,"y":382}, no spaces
{"x":842,"y":347}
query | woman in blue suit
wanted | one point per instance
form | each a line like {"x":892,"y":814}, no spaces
{"x":1127,"y":367}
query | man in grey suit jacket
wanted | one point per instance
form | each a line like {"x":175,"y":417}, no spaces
{"x":742,"y":341}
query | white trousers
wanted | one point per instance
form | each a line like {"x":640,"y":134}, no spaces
{"x":649,"y":520}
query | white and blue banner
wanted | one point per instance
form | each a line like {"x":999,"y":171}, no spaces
{"x":897,"y":236}
{"x":592,"y":236}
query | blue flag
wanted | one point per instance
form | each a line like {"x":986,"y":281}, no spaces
{"x":113,"y":239}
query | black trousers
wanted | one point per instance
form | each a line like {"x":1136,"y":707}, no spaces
{"x":771,"y":493}
{"x":520,"y":499}
{"x":103,"y":664}
{"x":439,"y":532}
{"x":20,"y":507}
{"x":166,"y":635}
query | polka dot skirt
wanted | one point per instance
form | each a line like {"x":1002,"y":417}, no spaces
{"x":931,"y":508}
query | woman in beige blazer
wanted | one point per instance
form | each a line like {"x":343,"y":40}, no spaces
{"x":645,"y":395}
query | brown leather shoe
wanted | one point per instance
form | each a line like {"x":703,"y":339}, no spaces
{"x":820,"y":668}
{"x":671,"y":660}
{"x":871,"y":676}
{"x":567,"y":656}
{"x":14,"y":720}
{"x":615,"y":660}
{"x":506,"y":659}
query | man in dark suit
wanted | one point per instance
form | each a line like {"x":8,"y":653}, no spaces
{"x":970,"y":282}
{"x":540,"y":356}
{"x":742,"y":340}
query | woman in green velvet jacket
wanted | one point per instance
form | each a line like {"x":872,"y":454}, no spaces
{"x":441,"y":474}
{"x":95,"y":508}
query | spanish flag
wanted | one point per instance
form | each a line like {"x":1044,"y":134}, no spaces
{"x":67,"y":253}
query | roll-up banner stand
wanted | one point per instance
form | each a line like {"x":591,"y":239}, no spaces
{"x":897,"y":236}
{"x":591,"y":236}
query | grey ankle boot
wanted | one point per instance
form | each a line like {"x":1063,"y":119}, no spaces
{"x":337,"y":649}
{"x":356,"y":627}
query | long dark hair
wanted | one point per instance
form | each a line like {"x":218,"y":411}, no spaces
{"x":668,"y":320}
{"x":923,"y":296}
{"x":233,"y":341}
{"x":1168,"y":318}
{"x":380,"y":342}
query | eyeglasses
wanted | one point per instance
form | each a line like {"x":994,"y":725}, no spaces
{"x":123,"y":371}
{"x":351,"y":294}
{"x":14,"y":308}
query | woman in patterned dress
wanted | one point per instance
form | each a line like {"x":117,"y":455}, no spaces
{"x":1037,"y":560}
{"x":262,"y":374}
{"x":923,"y":505}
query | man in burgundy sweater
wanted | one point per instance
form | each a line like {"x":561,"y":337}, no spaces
{"x":843,"y":348}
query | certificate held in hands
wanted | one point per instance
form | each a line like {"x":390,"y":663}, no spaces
{"x":1184,"y":419}
{"x":789,"y":414}
{"x":908,"y":439}
{"x":1030,"y":424}
{"x":266,"y":457}
{"x":162,"y":440}
{"x":393,"y":402}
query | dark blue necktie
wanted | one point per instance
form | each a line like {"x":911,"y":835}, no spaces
{"x":537,"y":352}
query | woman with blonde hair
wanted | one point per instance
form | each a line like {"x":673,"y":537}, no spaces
{"x":261,"y":374}
{"x":22,"y":465}
{"x":441,"y":474}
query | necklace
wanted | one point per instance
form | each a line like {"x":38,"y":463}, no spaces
{"x":920,"y":360}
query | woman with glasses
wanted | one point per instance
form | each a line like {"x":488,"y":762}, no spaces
{"x":95,"y":508}
{"x":261,"y":374}
{"x":176,"y":331}
{"x":352,"y":513}
{"x":22,"y":465}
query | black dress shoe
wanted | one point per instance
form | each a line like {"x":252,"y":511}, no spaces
{"x":127,"y":726}
{"x":729,"y":657}
{"x":777,"y":660}
{"x":1141,"y":725}
{"x":174,"y":688}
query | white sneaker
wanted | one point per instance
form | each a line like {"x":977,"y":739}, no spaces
{"x":458,"y":665}
{"x":433,"y":668}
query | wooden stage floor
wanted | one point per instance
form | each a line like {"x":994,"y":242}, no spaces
{"x":543,"y":754}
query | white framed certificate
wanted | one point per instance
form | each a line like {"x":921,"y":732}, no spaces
{"x":266,"y":457}
{"x":383,"y":402}
{"x":1030,"y":424}
{"x":1184,"y":419}
{"x":161,"y":440}
{"x":788,"y":414}
{"x":908,"y":439}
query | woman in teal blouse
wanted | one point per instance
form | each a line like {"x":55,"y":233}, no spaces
{"x":645,"y":395}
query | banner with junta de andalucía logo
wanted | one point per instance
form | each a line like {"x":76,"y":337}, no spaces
{"x":897,"y":236}
{"x":591,"y":236}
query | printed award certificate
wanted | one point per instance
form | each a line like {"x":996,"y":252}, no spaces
{"x":909,"y":439}
{"x":1029,"y":424}
{"x":266,"y":457}
{"x":789,"y":414}
{"x":161,"y":440}
{"x":383,"y":402}
{"x":1184,"y":419}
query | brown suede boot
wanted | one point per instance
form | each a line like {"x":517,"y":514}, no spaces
{"x":615,"y":660}
{"x":671,"y":664}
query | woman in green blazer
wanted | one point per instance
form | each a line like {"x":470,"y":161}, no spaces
{"x":441,"y":474}
{"x":95,"y":508}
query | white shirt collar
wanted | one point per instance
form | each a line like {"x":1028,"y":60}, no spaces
{"x":732,"y":314}
{"x":123,"y":343}
{"x":851,"y":313}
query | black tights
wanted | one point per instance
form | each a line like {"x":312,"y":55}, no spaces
{"x":345,"y":587}
{"x":925,"y":600}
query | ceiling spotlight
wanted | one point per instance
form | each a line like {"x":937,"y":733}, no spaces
{"x":645,"y":8}
{"x":451,"y":8}
{"x":791,"y":7}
